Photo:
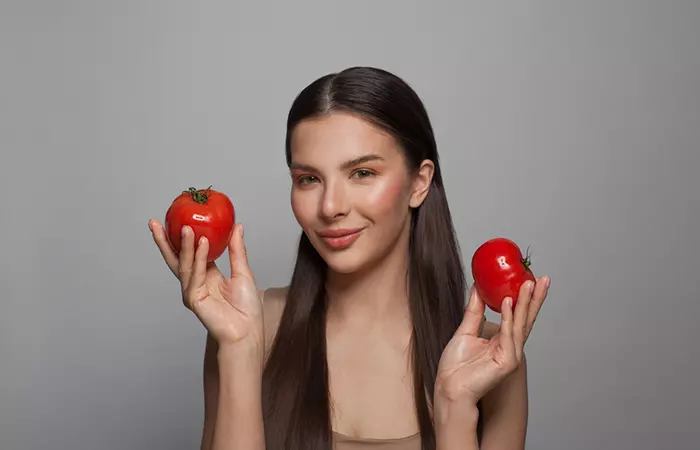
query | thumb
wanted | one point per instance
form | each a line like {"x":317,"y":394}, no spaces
{"x":238,"y":255}
{"x":473,"y":315}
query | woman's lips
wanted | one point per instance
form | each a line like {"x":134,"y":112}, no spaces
{"x":340,"y":238}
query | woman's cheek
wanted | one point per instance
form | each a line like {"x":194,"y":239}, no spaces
{"x":386,"y":195}
{"x":302,"y":207}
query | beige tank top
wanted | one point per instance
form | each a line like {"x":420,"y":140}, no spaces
{"x":342,"y":442}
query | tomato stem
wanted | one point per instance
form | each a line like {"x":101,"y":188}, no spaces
{"x":526,"y":260}
{"x":200,"y":195}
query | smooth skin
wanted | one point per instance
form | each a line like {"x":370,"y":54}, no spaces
{"x":347,"y":173}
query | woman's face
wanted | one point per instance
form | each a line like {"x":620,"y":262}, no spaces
{"x":352,"y":192}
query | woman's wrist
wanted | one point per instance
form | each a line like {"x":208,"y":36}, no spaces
{"x":240,"y":374}
{"x":455,"y":424}
{"x":241,"y":355}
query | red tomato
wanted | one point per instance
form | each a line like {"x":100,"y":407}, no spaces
{"x":208,"y":212}
{"x":499,"y":269}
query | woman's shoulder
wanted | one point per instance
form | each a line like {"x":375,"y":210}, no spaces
{"x":273,"y":300}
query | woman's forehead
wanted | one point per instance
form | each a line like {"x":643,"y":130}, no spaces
{"x":340,"y":136}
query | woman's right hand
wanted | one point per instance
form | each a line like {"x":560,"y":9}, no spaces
{"x":230,"y":308}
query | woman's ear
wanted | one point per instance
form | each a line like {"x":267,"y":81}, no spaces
{"x":421,"y":183}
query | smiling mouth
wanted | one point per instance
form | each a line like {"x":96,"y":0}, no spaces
{"x":340,"y":239}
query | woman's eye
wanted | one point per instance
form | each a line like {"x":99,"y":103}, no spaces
{"x":306,"y":179}
{"x":362,"y":173}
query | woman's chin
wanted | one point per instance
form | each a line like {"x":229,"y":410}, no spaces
{"x":346,"y":262}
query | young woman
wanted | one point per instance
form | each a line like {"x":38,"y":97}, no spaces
{"x":370,"y":346}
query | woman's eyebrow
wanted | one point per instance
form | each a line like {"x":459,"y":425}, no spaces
{"x":344,"y":166}
{"x":361,"y":160}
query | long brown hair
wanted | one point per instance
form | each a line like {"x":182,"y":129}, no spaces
{"x":295,"y":380}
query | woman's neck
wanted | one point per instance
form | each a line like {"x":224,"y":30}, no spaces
{"x":376,"y":294}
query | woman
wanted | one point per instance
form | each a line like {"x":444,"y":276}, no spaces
{"x":371,"y":343}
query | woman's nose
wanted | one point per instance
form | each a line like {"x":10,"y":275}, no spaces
{"x":335,"y":202}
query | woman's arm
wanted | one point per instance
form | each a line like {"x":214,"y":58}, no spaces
{"x":273,"y":306}
{"x":505,"y":408}
{"x":484,"y":363}
{"x":210,"y":378}
{"x":505,"y":412}
{"x":239,"y":417}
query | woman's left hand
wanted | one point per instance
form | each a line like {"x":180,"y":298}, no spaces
{"x":470,"y":366}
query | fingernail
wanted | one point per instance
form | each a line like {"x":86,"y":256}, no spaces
{"x":241,"y":230}
{"x":548,"y":282}
{"x":532,"y":287}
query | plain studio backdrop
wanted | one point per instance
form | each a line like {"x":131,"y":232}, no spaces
{"x":570,"y":127}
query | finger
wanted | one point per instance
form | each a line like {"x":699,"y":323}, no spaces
{"x":186,"y":259}
{"x":158,"y":234}
{"x":521,"y":313}
{"x":506,"y":340}
{"x":199,"y":270}
{"x":540,"y":294}
{"x":238,"y":255}
{"x":473,"y":315}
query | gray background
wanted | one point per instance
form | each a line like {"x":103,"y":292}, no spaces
{"x":573,"y":127}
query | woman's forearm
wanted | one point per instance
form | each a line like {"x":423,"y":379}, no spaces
{"x":505,"y":412}
{"x":455,"y":425}
{"x":239,"y":418}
